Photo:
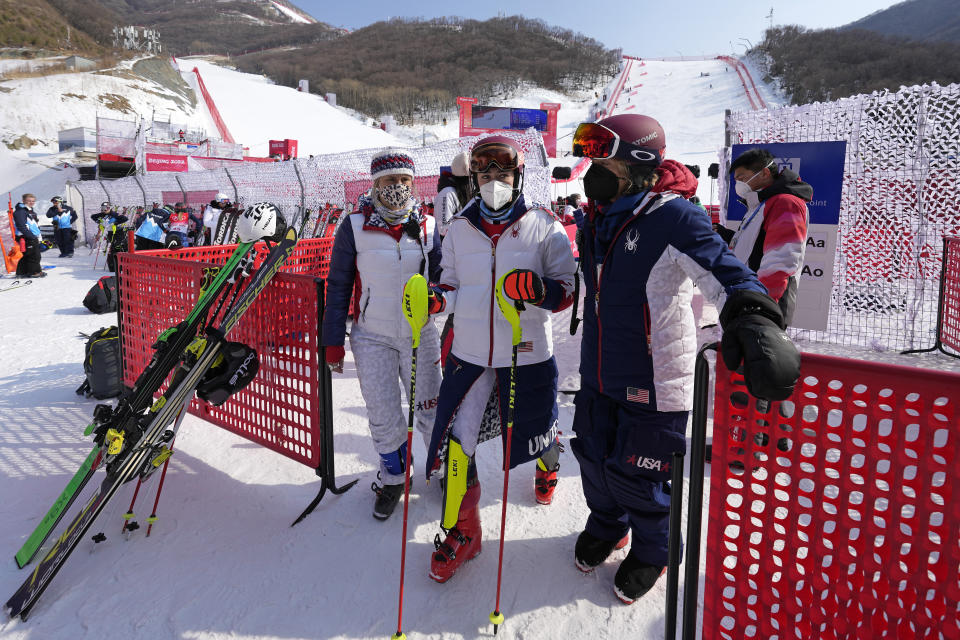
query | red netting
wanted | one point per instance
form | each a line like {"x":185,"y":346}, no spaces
{"x":311,"y":256}
{"x":950,"y":310}
{"x":155,"y":294}
{"x":280,"y":409}
{"x":836,"y":514}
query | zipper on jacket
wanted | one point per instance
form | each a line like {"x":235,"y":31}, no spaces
{"x":366,"y":303}
{"x":493,"y":292}
{"x":599,"y":272}
{"x":647,"y":327}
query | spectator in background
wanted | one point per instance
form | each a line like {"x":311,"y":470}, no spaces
{"x":63,"y":217}
{"x":178,"y":224}
{"x":453,"y":191}
{"x":572,"y":213}
{"x":150,"y":234}
{"x":772,"y":237}
{"x":27,"y":225}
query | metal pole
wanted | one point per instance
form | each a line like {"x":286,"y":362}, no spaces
{"x":675,"y":543}
{"x":691,"y":578}
{"x":142,"y":190}
{"x":303,"y":189}
{"x":236,"y":194}
{"x":183,"y":191}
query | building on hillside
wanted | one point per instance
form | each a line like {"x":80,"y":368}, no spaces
{"x":76,"y":63}
{"x":79,"y":138}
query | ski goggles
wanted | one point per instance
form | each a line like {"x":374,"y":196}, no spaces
{"x":502,"y":155}
{"x":592,"y":140}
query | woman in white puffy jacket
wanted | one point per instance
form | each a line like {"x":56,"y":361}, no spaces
{"x":375,"y":251}
{"x":496,"y":235}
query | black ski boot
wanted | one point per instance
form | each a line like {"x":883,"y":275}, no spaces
{"x":388,"y":496}
{"x":591,"y":551}
{"x":634,"y":578}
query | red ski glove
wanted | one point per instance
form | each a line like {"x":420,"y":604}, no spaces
{"x":334,"y":357}
{"x":524,"y":285}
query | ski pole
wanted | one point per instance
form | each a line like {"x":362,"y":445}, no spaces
{"x":415,"y":310}
{"x":163,"y":475}
{"x":510,"y":310}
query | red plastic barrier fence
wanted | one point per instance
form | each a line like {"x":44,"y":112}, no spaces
{"x":836,"y":514}
{"x":281,"y":408}
{"x":311,"y":257}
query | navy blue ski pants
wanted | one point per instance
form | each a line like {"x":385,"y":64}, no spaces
{"x":625,"y":451}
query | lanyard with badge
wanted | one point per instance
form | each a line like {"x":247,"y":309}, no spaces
{"x":743,"y":226}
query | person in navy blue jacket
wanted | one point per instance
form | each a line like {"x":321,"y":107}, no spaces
{"x":644,"y":245}
{"x":27,"y":223}
{"x":63,"y":217}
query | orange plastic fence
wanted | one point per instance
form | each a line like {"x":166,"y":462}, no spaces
{"x":281,"y":408}
{"x":836,"y":514}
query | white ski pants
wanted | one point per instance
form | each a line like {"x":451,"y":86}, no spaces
{"x":383,"y":366}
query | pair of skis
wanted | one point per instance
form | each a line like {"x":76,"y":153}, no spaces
{"x":134,"y":436}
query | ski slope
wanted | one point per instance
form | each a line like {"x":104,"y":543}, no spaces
{"x":687,"y":97}
{"x":256,"y":111}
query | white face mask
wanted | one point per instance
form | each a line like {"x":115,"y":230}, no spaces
{"x":745,"y":191}
{"x":496,"y":194}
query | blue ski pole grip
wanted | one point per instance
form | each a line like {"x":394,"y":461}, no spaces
{"x":415,"y":305}
{"x":509,"y":311}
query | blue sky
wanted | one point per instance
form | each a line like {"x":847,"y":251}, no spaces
{"x":641,"y":27}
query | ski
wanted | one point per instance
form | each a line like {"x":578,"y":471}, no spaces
{"x":169,"y":350}
{"x":17,"y":284}
{"x":147,"y":434}
{"x":64,"y":502}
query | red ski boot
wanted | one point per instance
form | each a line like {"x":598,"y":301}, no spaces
{"x":462,"y":542}
{"x":545,"y":483}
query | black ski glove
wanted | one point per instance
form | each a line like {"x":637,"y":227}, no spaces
{"x":753,"y":335}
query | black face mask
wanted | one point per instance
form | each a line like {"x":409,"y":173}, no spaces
{"x":600,"y":184}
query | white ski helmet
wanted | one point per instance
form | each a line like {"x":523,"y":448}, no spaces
{"x":260,"y":221}
{"x":221,"y":196}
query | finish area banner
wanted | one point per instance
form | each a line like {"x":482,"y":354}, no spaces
{"x":161,"y":162}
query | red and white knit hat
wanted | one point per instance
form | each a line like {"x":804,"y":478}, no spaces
{"x":391,"y":162}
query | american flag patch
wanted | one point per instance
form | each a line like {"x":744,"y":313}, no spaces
{"x":638,"y":395}
{"x":526,"y":346}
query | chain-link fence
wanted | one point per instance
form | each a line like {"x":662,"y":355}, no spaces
{"x":297,"y":185}
{"x":901,"y":196}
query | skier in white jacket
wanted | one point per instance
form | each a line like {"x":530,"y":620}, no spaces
{"x":494,"y":235}
{"x":375,"y":251}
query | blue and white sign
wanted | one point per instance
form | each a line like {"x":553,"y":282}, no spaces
{"x":819,"y":164}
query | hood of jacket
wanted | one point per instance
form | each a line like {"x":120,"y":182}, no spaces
{"x":674,"y":177}
{"x":787,"y":182}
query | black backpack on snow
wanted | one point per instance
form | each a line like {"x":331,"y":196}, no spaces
{"x":102,"y":297}
{"x":101,"y":363}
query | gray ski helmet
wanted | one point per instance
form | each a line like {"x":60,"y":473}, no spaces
{"x":260,"y":221}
